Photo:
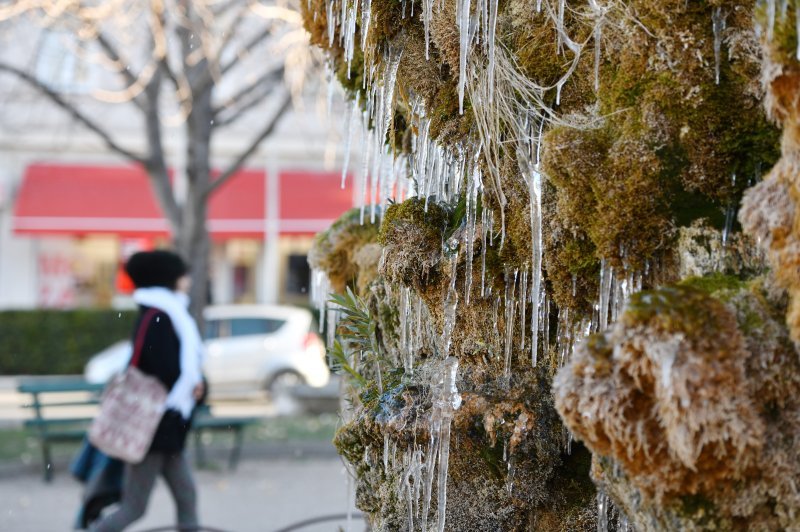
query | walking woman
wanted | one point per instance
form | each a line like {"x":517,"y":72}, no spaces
{"x":172,"y":352}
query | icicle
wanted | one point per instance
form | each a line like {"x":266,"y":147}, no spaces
{"x":523,"y":286}
{"x":450,"y":307}
{"x":367,"y":152}
{"x":375,"y":177}
{"x":624,"y":524}
{"x":365,"y":16}
{"x":462,"y":20}
{"x":770,"y":20}
{"x":510,"y":307}
{"x":797,"y":27}
{"x":418,"y":329}
{"x":602,"y":512}
{"x":386,"y":453}
{"x":598,"y":34}
{"x":484,"y":232}
{"x":350,"y":34}
{"x":320,"y":291}
{"x":473,"y":184}
{"x":408,"y":480}
{"x":449,"y":403}
{"x":331,"y":23}
{"x":406,"y":346}
{"x":427,"y":15}
{"x":332,"y":323}
{"x":512,"y":468}
{"x":351,"y":118}
{"x":606,"y":276}
{"x":718,"y":26}
{"x":545,"y":321}
{"x":534,"y":177}
{"x":730,"y":215}
{"x":342,"y":21}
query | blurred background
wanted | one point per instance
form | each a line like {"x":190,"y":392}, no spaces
{"x":210,"y":127}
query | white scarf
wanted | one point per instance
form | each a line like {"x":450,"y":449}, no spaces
{"x":175,"y":305}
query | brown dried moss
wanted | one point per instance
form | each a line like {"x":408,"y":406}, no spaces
{"x":346,"y":252}
{"x":685,"y":400}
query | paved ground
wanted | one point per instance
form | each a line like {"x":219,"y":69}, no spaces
{"x":325,"y":399}
{"x":263,"y":495}
{"x":276,"y":484}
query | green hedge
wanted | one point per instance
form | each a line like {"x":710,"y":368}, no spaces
{"x":57,"y":342}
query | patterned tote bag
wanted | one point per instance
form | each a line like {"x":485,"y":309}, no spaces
{"x":130,"y":408}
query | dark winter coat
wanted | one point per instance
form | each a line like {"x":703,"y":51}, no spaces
{"x":160,"y":358}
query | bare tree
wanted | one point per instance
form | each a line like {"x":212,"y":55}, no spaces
{"x":170,"y":59}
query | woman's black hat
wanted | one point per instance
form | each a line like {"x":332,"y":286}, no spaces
{"x":156,"y":268}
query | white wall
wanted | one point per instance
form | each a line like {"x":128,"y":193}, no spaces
{"x":32,"y":129}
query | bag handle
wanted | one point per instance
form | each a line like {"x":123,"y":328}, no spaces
{"x":138,"y":345}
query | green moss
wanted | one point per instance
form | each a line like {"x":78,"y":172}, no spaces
{"x":783,"y":46}
{"x":713,"y":283}
{"x":352,"y":80}
{"x":380,"y":405}
{"x":675,"y":309}
{"x":698,"y":509}
{"x":432,"y":222}
{"x":493,"y":457}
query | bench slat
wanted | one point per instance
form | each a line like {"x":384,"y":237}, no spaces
{"x":89,"y":402}
{"x":221,"y":422}
{"x":56,"y":421}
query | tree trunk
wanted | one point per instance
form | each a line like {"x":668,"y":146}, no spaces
{"x":194,"y":241}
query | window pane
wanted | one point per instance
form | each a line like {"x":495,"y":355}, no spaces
{"x":246,"y":326}
{"x":212,"y":329}
{"x":298,"y":275}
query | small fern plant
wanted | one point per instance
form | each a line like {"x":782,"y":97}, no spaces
{"x":356,"y":340}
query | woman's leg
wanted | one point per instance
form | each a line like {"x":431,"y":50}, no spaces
{"x":178,"y":474}
{"x":136,"y":489}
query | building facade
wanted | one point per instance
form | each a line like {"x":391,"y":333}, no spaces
{"x":71,"y":211}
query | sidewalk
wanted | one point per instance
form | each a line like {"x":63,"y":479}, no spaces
{"x":263,"y":495}
{"x":277,"y":483}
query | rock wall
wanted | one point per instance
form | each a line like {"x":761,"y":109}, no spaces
{"x":558,"y":294}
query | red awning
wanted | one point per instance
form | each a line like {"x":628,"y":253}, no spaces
{"x":80,"y":200}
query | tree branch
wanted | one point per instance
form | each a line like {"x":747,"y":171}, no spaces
{"x":237,"y":113}
{"x":251,"y":44}
{"x":73,"y":111}
{"x":243,"y":100}
{"x":156,"y":164}
{"x":112,"y":54}
{"x":237,"y":164}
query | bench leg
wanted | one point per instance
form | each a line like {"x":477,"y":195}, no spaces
{"x":47,"y":461}
{"x":199,"y":452}
{"x":236,"y":451}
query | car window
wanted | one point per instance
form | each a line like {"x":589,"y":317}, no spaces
{"x":248,"y":326}
{"x":213,"y":329}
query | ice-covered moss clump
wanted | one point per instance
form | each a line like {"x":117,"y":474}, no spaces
{"x":686,"y":399}
{"x":556,"y":186}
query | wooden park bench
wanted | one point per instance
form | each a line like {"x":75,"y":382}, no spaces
{"x":51,"y":395}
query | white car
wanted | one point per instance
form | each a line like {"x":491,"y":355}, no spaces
{"x":248,"y":348}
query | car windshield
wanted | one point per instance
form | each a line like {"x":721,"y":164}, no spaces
{"x":232,"y":327}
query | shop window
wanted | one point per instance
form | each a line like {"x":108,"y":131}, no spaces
{"x":243,"y":286}
{"x":58,"y":65}
{"x":298,"y":275}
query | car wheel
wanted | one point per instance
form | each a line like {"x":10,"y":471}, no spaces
{"x":280,"y":393}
